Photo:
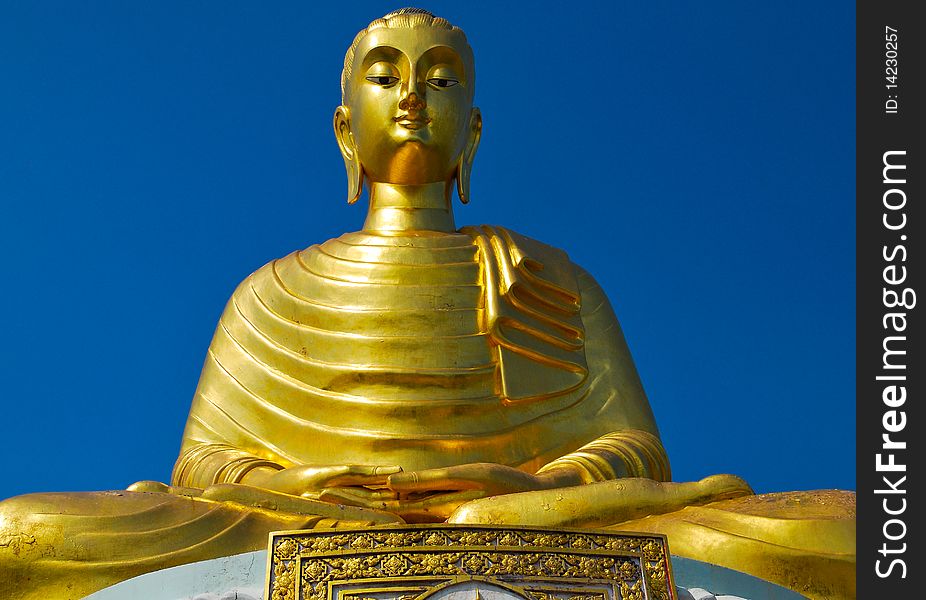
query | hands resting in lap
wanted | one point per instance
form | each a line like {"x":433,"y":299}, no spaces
{"x":416,"y":496}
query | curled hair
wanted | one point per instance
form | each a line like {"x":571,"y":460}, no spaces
{"x":409,"y":18}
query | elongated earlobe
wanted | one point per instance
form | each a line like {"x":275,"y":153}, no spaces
{"x":349,"y":153}
{"x":465,"y":166}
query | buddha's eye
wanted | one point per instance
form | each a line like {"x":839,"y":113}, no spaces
{"x":383,"y":73}
{"x":443,"y":75}
{"x":384,"y":80}
{"x":442,"y":82}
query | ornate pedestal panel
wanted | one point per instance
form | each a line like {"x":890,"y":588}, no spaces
{"x":446,"y":562}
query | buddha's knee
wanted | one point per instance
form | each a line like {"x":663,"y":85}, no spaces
{"x":21,"y":525}
{"x":53,"y":525}
{"x":30,"y":528}
{"x":25,"y":540}
{"x":57,"y":545}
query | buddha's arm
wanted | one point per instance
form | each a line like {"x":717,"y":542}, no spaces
{"x":201,"y":465}
{"x":627,"y":453}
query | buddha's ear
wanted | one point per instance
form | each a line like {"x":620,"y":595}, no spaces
{"x":465,"y":166}
{"x":349,"y":153}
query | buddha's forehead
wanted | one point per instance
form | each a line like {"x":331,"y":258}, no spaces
{"x":414,"y":43}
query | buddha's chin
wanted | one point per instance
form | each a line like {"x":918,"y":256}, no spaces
{"x":416,"y":162}
{"x":405,"y":134}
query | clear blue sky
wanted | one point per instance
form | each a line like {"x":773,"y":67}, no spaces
{"x":697,"y":158}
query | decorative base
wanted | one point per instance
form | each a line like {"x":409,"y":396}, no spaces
{"x":451,"y":563}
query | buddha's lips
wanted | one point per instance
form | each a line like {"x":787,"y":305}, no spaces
{"x":411,"y":123}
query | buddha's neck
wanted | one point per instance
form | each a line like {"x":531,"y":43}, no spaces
{"x":402,"y":208}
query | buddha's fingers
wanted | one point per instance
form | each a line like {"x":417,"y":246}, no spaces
{"x":303,"y":479}
{"x":362,"y":475}
{"x":353,"y":496}
{"x":433,"y":508}
{"x":491,"y":478}
{"x":287,"y":503}
{"x":429,"y":509}
{"x":447,"y":479}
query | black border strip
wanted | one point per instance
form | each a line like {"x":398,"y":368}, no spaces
{"x":891,"y":369}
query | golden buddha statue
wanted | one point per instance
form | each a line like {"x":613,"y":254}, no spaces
{"x":416,"y":372}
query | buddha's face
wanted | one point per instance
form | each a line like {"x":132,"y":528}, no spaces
{"x":410,"y":97}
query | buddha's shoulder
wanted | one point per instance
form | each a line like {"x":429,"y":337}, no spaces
{"x":362,"y":256}
{"x":536,"y":255}
{"x":364,"y":246}
{"x":510,"y":238}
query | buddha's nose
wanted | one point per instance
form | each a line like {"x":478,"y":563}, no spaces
{"x":412,"y":102}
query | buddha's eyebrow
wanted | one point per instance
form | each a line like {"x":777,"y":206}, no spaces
{"x":445,"y":54}
{"x":381,"y":53}
{"x":443,"y":48}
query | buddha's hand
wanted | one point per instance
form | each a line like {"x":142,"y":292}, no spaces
{"x":432,"y":494}
{"x":310,"y":480}
{"x":490,"y":478}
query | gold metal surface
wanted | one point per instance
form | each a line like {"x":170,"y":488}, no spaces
{"x":804,"y":541}
{"x":598,"y":504}
{"x":428,"y":562}
{"x":405,"y":372}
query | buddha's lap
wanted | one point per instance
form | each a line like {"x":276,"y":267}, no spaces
{"x":99,"y":538}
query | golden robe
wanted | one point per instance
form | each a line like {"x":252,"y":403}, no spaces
{"x":419,"y":351}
